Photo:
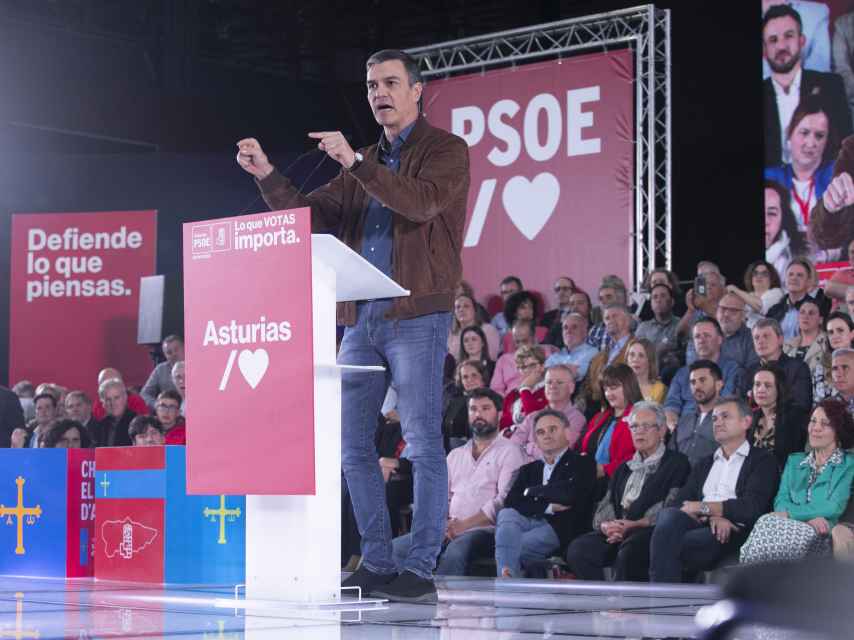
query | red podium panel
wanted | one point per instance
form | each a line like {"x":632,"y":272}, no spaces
{"x":250,"y":371}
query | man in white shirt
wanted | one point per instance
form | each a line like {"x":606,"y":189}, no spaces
{"x":723,"y":497}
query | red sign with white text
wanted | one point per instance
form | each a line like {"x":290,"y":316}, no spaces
{"x":249,"y":353}
{"x":74,"y":296}
{"x":552,"y":161}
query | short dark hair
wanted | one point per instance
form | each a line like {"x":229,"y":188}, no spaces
{"x":743,"y":407}
{"x":489,"y":394}
{"x":553,"y":413}
{"x":838,"y":315}
{"x":514,"y":280}
{"x":667,"y":287}
{"x":140,"y":424}
{"x":173,"y":337}
{"x":170,"y":394}
{"x":511,"y":308}
{"x":712,"y":366}
{"x":840,"y":420}
{"x":709,"y":320}
{"x":59,"y":428}
{"x":409,"y":63}
{"x":782,"y":11}
{"x":42,"y":396}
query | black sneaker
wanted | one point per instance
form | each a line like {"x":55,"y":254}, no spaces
{"x":408,"y":587}
{"x":367,"y":580}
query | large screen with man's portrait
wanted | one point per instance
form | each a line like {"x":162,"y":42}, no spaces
{"x":808,"y":94}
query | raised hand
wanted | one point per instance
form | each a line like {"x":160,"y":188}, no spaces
{"x":335,"y":144}
{"x":252,"y":158}
{"x":839,"y":193}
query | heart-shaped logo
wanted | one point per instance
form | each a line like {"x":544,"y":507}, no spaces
{"x":253,"y":366}
{"x":530,"y":203}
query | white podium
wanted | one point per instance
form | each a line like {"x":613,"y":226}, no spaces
{"x":293,"y":542}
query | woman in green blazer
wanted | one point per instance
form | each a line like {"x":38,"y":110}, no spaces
{"x":813,"y":493}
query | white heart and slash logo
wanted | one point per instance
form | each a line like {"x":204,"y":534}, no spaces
{"x":253,"y":365}
{"x":530,"y":203}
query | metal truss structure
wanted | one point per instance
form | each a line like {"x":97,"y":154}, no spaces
{"x":646,"y":31}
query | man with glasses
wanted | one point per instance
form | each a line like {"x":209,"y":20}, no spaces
{"x":167,"y":408}
{"x":738,"y":341}
{"x":563,"y":288}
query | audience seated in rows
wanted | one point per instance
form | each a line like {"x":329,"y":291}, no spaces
{"x":160,"y":379}
{"x":563,"y":289}
{"x":560,"y":385}
{"x":455,"y":420}
{"x":465,"y":316}
{"x":607,"y":439}
{"x":524,"y":307}
{"x":694,"y":435}
{"x":661,"y":328}
{"x":530,"y":396}
{"x":701,"y":301}
{"x":112,"y":431}
{"x":723,"y":497}
{"x":78,"y":406}
{"x":549,"y":503}
{"x":575,"y":352}
{"x":811,"y":346}
{"x":762,"y":290}
{"x":617,"y":322}
{"x":66,"y":433}
{"x":145,"y":431}
{"x":738,"y":339}
{"x":479,"y":476}
{"x":624,"y":519}
{"x":801,"y":280}
{"x":707,"y":338}
{"x":167,"y":409}
{"x":473,"y":346}
{"x":612,"y":292}
{"x":768,"y":341}
{"x":641,"y":358}
{"x":814,"y":492}
{"x":778,"y":424}
{"x":659,"y":277}
{"x":506,"y":288}
{"x":134,"y":402}
{"x":506,"y":375}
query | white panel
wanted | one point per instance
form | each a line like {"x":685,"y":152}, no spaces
{"x":357,"y":278}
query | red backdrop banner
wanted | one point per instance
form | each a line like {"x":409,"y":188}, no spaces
{"x":552,"y":162}
{"x":74,"y":291}
{"x":250,"y":370}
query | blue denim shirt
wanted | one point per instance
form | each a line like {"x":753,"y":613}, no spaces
{"x":377,"y":235}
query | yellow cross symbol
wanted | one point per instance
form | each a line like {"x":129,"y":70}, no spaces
{"x":222,"y":512}
{"x":19,"y":633}
{"x":19,"y":512}
{"x":221,"y":635}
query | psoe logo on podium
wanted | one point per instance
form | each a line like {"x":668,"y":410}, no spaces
{"x":19,"y":514}
{"x":211,"y":238}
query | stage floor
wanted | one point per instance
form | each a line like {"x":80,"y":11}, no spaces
{"x":469,"y":609}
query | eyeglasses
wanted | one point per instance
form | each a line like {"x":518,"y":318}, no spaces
{"x":763,"y":273}
{"x":167,"y":407}
{"x":643,"y":426}
{"x":730,"y":309}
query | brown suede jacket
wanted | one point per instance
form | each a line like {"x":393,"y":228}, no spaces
{"x":832,"y":230}
{"x":428,"y":196}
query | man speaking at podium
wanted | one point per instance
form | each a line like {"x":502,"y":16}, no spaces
{"x":401,"y":204}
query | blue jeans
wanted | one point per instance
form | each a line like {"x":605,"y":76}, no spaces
{"x":680,"y":542}
{"x":520,"y":540}
{"x":458,"y":553}
{"x":413,"y":352}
